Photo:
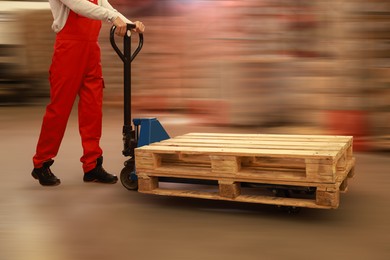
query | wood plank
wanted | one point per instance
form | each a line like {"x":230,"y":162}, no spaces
{"x":241,"y":198}
{"x":267,"y":136}
{"x":269,"y":178}
{"x":253,"y":145}
{"x":243,"y":141}
{"x":248,"y":140}
{"x":287,"y":153}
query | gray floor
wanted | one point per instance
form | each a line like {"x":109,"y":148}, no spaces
{"x":95,"y":221}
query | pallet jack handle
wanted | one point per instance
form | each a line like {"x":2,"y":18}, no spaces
{"x":130,"y":136}
{"x":126,"y":55}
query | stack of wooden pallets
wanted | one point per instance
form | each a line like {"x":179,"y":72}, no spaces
{"x":319,"y":163}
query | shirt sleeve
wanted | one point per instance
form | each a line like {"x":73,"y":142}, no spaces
{"x":106,"y":4}
{"x":91,"y":10}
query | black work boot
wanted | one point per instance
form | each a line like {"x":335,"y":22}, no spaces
{"x":45,"y":176}
{"x":98,"y":174}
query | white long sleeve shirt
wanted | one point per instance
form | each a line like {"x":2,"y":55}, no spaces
{"x":102,"y":11}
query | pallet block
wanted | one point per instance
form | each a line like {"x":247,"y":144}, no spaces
{"x":309,"y":161}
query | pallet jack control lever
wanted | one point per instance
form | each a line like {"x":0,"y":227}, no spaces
{"x":130,"y":137}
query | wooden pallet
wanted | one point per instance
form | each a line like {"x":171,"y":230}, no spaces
{"x":316,"y":161}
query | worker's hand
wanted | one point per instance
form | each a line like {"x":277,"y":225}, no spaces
{"x":121,"y":27}
{"x":139,"y":27}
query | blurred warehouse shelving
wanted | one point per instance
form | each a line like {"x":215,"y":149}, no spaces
{"x":26,"y":45}
{"x":314,"y":66}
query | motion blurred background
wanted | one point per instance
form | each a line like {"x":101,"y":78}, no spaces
{"x":241,"y":66}
{"x":302,"y":66}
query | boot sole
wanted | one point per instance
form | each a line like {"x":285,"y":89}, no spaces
{"x":98,"y":181}
{"x":35,"y":176}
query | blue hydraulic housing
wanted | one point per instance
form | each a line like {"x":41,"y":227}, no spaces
{"x":149,"y":130}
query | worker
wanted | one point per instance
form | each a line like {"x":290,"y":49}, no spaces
{"x":76,"y":71}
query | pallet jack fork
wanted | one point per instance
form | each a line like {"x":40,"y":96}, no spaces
{"x":146,"y":130}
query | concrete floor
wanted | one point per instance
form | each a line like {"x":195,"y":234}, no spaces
{"x":94,"y":221}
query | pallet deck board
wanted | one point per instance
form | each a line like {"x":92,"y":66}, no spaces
{"x":254,"y":144}
{"x":319,"y":161}
{"x":271,"y":137}
{"x":242,"y":198}
{"x":241,"y":151}
{"x":271,"y":176}
{"x":302,"y":146}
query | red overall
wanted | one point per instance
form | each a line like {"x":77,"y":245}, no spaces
{"x":75,"y":70}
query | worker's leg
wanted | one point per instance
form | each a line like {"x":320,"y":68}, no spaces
{"x":90,"y":121}
{"x":90,"y":110}
{"x":65,"y":79}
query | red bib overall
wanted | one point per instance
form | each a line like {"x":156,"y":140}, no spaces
{"x":75,"y":70}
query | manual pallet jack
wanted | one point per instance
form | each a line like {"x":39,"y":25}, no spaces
{"x":315,"y":166}
{"x":146,"y":130}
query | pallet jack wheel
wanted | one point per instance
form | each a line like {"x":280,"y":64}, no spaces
{"x":127,"y":179}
